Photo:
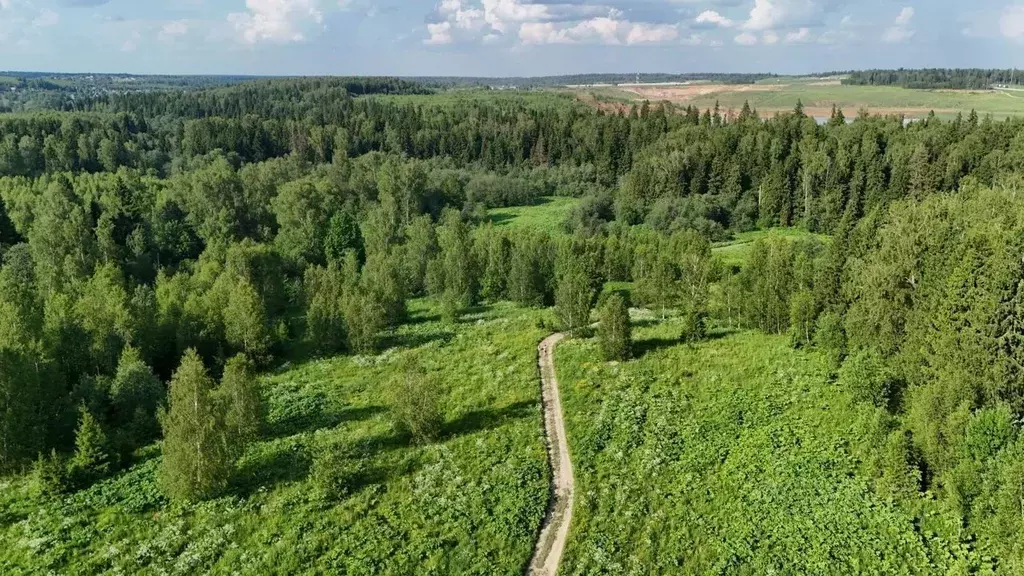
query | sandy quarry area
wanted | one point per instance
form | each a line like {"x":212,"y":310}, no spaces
{"x":683,"y":93}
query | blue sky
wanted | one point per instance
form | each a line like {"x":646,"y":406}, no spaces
{"x":505,"y":37}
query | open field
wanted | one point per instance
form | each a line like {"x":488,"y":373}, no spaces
{"x":470,"y":503}
{"x":771,"y":97}
{"x":732,"y":456}
{"x":735,"y":252}
{"x":547,"y":214}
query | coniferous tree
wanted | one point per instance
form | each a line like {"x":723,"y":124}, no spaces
{"x":91,"y":460}
{"x":135,"y":396}
{"x":197,"y":462}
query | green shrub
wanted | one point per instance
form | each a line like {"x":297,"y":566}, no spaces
{"x":695,"y":325}
{"x":867,"y":377}
{"x":417,"y":406}
{"x":335,"y":472}
{"x":49,"y":474}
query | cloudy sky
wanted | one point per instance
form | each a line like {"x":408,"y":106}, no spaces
{"x":505,"y":37}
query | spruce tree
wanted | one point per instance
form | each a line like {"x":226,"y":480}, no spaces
{"x":135,"y":395}
{"x":91,"y":461}
{"x":614,"y":331}
{"x":197,"y":463}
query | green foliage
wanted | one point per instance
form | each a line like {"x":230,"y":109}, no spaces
{"x":613,"y":329}
{"x":50,"y":476}
{"x":91,"y":460}
{"x":197,"y":460}
{"x":364,"y":321}
{"x":868,"y":379}
{"x":246,"y":326}
{"x":243,"y":405}
{"x":802,"y":317}
{"x":325,"y":313}
{"x":709,"y":448}
{"x":135,"y":396}
{"x":573,"y":297}
{"x":474,"y":499}
{"x":336,"y":471}
{"x":418,"y":406}
{"x":25,"y":386}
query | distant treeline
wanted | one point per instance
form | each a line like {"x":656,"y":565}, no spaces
{"x":573,"y":79}
{"x":948,"y":78}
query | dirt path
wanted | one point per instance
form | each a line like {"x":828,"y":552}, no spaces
{"x":555,"y":530}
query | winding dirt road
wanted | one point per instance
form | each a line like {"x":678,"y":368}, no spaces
{"x":555,"y":530}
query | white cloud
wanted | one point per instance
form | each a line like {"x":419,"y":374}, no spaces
{"x":45,"y":19}
{"x":601,"y":30}
{"x":173,"y":30}
{"x":533,"y":22}
{"x":692,"y":40}
{"x":906,"y":15}
{"x":541,"y":33}
{"x":767,"y":14}
{"x":801,"y":35}
{"x":900,"y":31}
{"x":641,"y":33}
{"x":1011,"y":22}
{"x":440,"y":33}
{"x":770,"y":38}
{"x":787,"y":14}
{"x":711,"y":17}
{"x":746,"y":39}
{"x":501,"y":14}
{"x":279,"y":21}
{"x":132,"y":43}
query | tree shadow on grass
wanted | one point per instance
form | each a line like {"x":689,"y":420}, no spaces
{"x":468,"y":423}
{"x":424,"y":317}
{"x":642,"y":348}
{"x":502,"y":217}
{"x":318,"y":417}
{"x":417,"y":340}
{"x":487,"y":419}
{"x":285,"y":462}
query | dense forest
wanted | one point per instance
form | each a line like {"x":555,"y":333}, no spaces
{"x":161,"y":248}
{"x":933,"y":78}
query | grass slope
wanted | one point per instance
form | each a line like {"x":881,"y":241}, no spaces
{"x":736,"y":456}
{"x":547,"y":214}
{"x":470,"y":503}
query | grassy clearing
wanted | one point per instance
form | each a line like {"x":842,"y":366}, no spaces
{"x":736,"y":456}
{"x":547,"y":214}
{"x":818,"y":99}
{"x":469,"y":503}
{"x":735,"y":252}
